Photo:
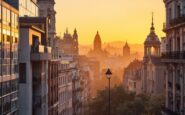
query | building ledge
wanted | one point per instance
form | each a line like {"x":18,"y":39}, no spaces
{"x":40,"y":57}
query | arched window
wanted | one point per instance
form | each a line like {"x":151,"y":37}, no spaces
{"x":153,"y":51}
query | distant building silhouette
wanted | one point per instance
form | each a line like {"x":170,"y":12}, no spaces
{"x":70,"y":43}
{"x":126,"y":50}
{"x":98,"y":51}
{"x":97,"y":43}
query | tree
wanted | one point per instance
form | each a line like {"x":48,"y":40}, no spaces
{"x":124,"y":103}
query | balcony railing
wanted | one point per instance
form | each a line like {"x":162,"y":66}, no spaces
{"x":40,"y":52}
{"x":47,"y":49}
{"x":177,"y":20}
{"x":173,"y":55}
{"x":37,"y":49}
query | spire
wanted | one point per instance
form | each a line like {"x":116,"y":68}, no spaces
{"x":126,"y":43}
{"x":75,"y":35}
{"x":66,"y":30}
{"x":75,"y":31}
{"x":152,"y":25}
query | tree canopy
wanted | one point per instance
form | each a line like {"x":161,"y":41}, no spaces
{"x":124,"y":103}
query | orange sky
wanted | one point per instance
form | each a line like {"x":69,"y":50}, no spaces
{"x":116,"y":20}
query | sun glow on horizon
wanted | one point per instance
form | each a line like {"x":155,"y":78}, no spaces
{"x":116,"y":20}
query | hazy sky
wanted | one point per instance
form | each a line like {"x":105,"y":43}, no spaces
{"x":116,"y":20}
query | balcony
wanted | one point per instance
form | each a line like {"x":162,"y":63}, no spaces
{"x":174,"y":55}
{"x":47,"y":49}
{"x":40,"y":53}
{"x":178,"y":20}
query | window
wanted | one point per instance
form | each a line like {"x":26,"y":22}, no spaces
{"x":4,"y":16}
{"x":0,"y":12}
{"x":8,"y":16}
{"x":0,"y":90}
{"x":8,"y":38}
{"x":178,"y":11}
{"x":170,"y":14}
{"x":22,"y":73}
{"x":178,"y":43}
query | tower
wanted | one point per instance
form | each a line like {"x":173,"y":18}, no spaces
{"x":126,"y":50}
{"x":151,"y":49}
{"x":46,"y":9}
{"x":75,"y":39}
{"x":152,"y":43}
{"x":97,"y":42}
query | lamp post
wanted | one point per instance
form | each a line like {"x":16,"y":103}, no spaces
{"x":108,"y":75}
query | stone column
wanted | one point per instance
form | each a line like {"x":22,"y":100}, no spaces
{"x":182,"y":90}
{"x":167,"y":88}
{"x":174,"y":90}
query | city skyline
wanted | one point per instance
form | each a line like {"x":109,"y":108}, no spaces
{"x":110,"y":18}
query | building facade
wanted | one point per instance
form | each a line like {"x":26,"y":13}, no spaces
{"x":25,"y":7}
{"x":34,"y":54}
{"x":66,"y":73}
{"x":8,"y":59}
{"x":132,"y":81}
{"x":47,"y":9}
{"x":174,"y":57}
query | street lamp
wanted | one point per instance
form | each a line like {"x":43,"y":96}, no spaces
{"x":108,"y":75}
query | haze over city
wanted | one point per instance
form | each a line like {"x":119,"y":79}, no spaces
{"x":92,"y":57}
{"x":116,"y":20}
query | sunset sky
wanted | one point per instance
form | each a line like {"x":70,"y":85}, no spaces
{"x":116,"y":20}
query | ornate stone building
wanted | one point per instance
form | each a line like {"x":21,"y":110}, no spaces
{"x":69,"y":43}
{"x":153,"y":69}
{"x":174,"y":57}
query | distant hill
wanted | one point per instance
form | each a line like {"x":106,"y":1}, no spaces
{"x":115,"y":48}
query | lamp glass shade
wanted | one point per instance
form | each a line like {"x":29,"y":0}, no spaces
{"x":108,"y":73}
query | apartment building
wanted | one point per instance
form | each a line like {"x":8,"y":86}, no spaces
{"x":174,"y":57}
{"x":8,"y":59}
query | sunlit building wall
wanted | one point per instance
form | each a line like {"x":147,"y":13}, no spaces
{"x":25,"y":7}
{"x":8,"y":59}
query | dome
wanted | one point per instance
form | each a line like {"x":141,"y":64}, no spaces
{"x":97,"y":42}
{"x":97,"y":37}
